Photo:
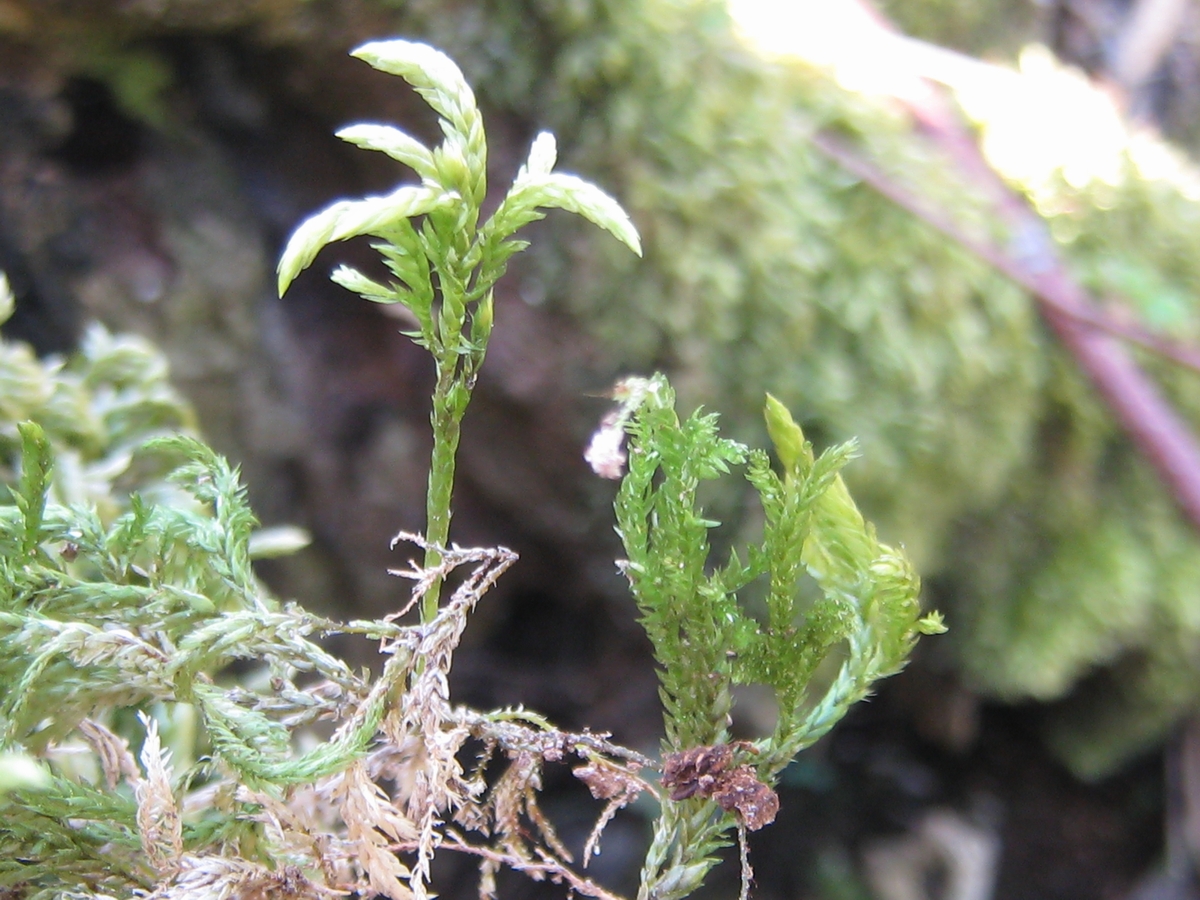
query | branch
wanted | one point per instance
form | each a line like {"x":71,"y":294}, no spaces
{"x":1164,"y":439}
{"x":1008,"y":263}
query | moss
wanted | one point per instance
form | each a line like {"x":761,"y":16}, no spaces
{"x":983,"y":27}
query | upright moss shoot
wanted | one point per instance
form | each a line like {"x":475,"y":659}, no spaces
{"x":706,"y":641}
{"x":444,"y":267}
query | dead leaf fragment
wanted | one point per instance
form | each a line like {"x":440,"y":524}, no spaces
{"x":705,"y":772}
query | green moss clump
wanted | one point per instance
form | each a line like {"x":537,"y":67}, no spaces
{"x":96,"y":408}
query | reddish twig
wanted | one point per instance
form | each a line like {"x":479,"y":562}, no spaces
{"x":549,"y":867}
{"x":1161,"y":435}
{"x":1007,"y":263}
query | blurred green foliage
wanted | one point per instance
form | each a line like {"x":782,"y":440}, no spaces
{"x":95,"y":408}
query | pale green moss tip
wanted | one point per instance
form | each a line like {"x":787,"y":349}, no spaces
{"x":7,"y":301}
